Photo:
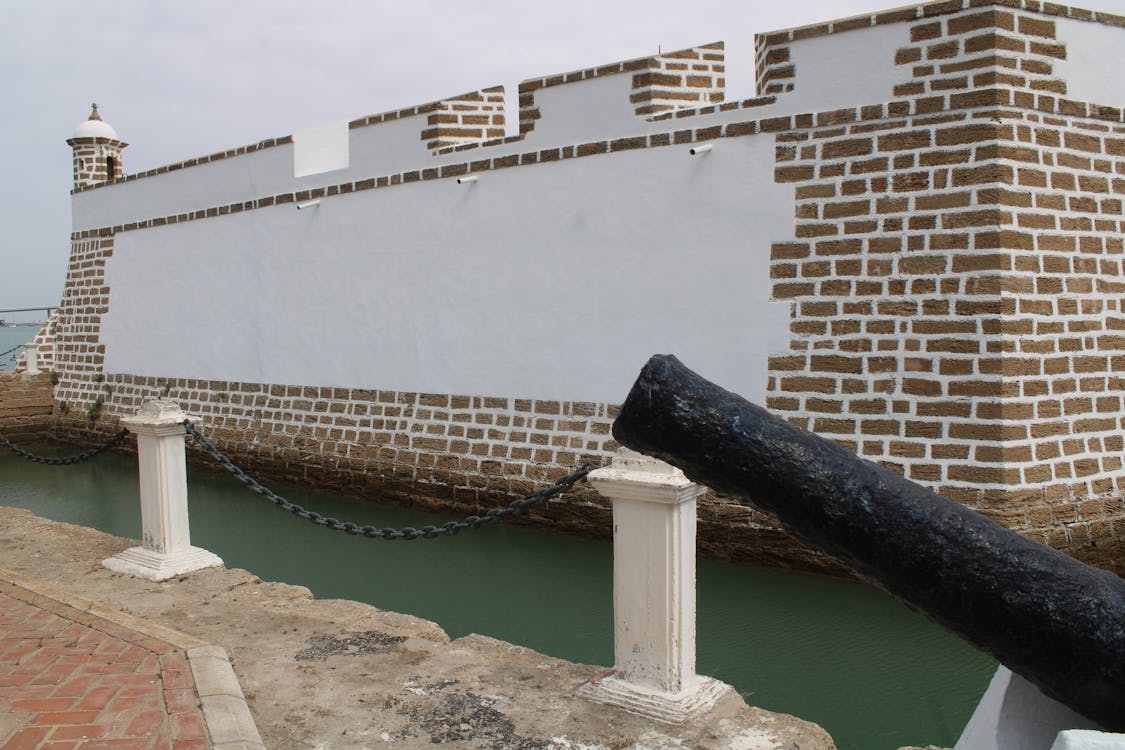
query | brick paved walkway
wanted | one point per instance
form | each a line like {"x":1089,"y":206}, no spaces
{"x":70,"y":679}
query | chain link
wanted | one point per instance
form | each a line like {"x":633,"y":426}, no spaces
{"x":64,"y":460}
{"x":13,"y":349}
{"x":515,"y":508}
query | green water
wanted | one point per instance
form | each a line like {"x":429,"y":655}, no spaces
{"x":874,"y":674}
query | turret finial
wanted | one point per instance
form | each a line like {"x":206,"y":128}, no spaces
{"x":94,"y":112}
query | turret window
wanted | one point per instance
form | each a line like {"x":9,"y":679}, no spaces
{"x":110,"y":168}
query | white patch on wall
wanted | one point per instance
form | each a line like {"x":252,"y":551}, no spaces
{"x":321,"y":149}
{"x":847,"y":69}
{"x":1092,"y":68}
{"x":552,"y":281}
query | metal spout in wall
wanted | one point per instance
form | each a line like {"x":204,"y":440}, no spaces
{"x":467,"y":180}
{"x":308,"y":204}
{"x":701,"y":149}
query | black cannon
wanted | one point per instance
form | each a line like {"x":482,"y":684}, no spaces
{"x":1054,"y":620}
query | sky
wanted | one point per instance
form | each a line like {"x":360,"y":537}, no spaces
{"x":178,"y":80}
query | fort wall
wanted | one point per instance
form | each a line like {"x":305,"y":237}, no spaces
{"x":25,"y":405}
{"x":909,"y":242}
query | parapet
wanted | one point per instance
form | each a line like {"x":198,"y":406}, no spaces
{"x":936,"y":55}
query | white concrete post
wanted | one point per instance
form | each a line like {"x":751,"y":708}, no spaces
{"x":31,"y":359}
{"x":1014,"y":714}
{"x":166,"y":549}
{"x":653,"y":592}
{"x":1086,"y":739}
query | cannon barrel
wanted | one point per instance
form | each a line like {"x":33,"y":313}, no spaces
{"x":1052,"y":619}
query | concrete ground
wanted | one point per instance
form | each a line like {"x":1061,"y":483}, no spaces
{"x":341,"y":674}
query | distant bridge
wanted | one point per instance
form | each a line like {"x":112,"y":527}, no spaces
{"x":29,"y":309}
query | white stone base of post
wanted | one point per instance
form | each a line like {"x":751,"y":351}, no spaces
{"x":166,"y":549}
{"x":140,"y":562}
{"x":653,"y":593}
{"x":670,"y":708}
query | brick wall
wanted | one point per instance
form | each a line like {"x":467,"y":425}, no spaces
{"x":92,"y":160}
{"x":44,"y":343}
{"x":688,"y":78}
{"x":457,"y":454}
{"x":956,"y":280}
{"x":468,"y":118}
{"x":25,"y":406}
{"x":79,"y":353}
{"x":684,"y":79}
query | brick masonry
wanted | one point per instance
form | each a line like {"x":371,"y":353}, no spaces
{"x":25,"y":405}
{"x":96,"y":160}
{"x":954,"y":276}
{"x":469,"y":118}
{"x":688,"y":78}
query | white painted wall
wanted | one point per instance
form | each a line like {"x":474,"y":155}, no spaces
{"x":593,"y":110}
{"x":550,"y":281}
{"x":321,"y":149}
{"x":847,"y":69}
{"x":1092,"y":68}
{"x":382,"y":149}
{"x":216,"y":183}
{"x":390,"y":148}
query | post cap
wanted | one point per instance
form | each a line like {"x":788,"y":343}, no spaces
{"x":157,"y":412}
{"x":635,"y":476}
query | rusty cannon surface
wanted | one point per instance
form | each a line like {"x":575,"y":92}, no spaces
{"x":1054,"y":620}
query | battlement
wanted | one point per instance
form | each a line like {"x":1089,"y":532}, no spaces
{"x":797,"y":70}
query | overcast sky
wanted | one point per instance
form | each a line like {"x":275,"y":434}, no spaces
{"x":178,"y":80}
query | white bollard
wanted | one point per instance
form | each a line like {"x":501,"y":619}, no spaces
{"x":1086,"y":739}
{"x":1014,"y":714}
{"x":31,"y":359}
{"x":166,"y":549}
{"x":653,"y":592}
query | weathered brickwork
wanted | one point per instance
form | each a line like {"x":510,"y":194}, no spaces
{"x":469,"y":118}
{"x":458,"y":454}
{"x":44,"y":343}
{"x":686,"y":78}
{"x":954,"y":274}
{"x":78,"y":350}
{"x":956,"y":278}
{"x":96,"y":161}
{"x":25,"y":406}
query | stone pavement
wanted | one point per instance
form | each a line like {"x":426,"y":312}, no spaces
{"x":323,"y":674}
{"x":74,"y":674}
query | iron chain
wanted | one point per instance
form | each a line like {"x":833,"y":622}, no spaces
{"x":13,"y":349}
{"x":64,"y":460}
{"x":515,"y":508}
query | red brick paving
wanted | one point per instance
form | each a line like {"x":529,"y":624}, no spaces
{"x":70,"y":680}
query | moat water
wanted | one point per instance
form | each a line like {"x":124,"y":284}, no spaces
{"x":873,"y":673}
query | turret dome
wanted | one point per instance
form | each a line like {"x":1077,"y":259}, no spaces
{"x":94,"y":127}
